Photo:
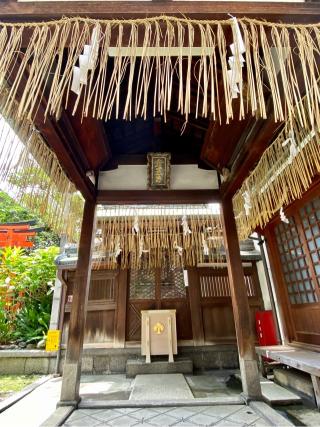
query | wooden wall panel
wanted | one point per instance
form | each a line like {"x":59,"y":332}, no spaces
{"x":218,"y":322}
{"x":101,"y":307}
{"x":115,"y":317}
{"x":307,"y":323}
{"x":99,"y":326}
{"x":216,"y":305}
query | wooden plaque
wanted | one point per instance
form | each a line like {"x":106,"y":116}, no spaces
{"x":159,"y":171}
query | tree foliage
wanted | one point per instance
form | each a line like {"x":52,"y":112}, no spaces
{"x":26,"y":279}
{"x":36,"y":191}
{"x":10,"y":211}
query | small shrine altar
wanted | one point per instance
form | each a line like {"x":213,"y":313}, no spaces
{"x":158,"y":334}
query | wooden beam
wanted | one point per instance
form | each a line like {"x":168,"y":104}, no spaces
{"x":240,"y":305}
{"x":257,"y":140}
{"x":221,"y":141}
{"x":73,"y":359}
{"x":66,"y":127}
{"x":250,"y":149}
{"x":152,"y":197}
{"x":29,"y":11}
{"x":195,"y":306}
{"x":89,"y":133}
{"x":68,"y":158}
{"x":58,"y":141}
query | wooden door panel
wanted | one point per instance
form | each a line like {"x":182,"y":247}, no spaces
{"x":133,"y":324}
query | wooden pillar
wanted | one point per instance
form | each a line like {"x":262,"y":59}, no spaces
{"x":72,"y":365}
{"x":240,"y":305}
{"x":282,"y":301}
{"x":195,"y":306}
{"x":120,"y":324}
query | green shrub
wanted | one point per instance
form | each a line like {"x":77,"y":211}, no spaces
{"x":26,"y":285}
{"x":6,"y":332}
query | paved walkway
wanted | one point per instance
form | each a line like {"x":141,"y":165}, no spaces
{"x":35,"y":408}
{"x":227,"y":415}
{"x":113,"y":391}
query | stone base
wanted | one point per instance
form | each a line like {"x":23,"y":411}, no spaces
{"x":298,"y":381}
{"x":68,"y":403}
{"x":139,"y":366}
{"x":114,"y":360}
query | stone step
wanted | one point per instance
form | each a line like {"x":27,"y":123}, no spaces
{"x":140,"y":367}
{"x":274,"y":394}
{"x":160,"y":386}
{"x":297,"y":381}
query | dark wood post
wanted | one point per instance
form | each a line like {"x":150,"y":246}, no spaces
{"x":240,"y":305}
{"x":121,"y":311}
{"x":72,"y":365}
{"x":195,"y":306}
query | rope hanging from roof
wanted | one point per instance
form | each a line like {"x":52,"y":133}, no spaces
{"x":142,"y":238}
{"x":285,"y":171}
{"x":74,"y":53}
{"x":31,"y":172}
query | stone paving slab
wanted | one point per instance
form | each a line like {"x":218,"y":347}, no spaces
{"x":269,"y":414}
{"x":224,"y":415}
{"x":160,"y":386}
{"x":105,"y":387}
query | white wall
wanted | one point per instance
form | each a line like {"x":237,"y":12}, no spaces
{"x":264,"y":286}
{"x":135,"y":177}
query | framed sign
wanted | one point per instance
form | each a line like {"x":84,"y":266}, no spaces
{"x":159,"y":171}
{"x":53,"y":340}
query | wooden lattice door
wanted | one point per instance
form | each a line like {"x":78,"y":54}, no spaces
{"x":298,"y":265}
{"x":141,"y":296}
{"x":157,"y":289}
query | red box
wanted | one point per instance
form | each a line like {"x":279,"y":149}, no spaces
{"x":265,"y":327}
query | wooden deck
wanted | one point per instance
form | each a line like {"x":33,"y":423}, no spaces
{"x":304,"y":360}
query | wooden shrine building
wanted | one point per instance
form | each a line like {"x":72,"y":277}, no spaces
{"x":109,"y":98}
{"x":116,"y":298}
